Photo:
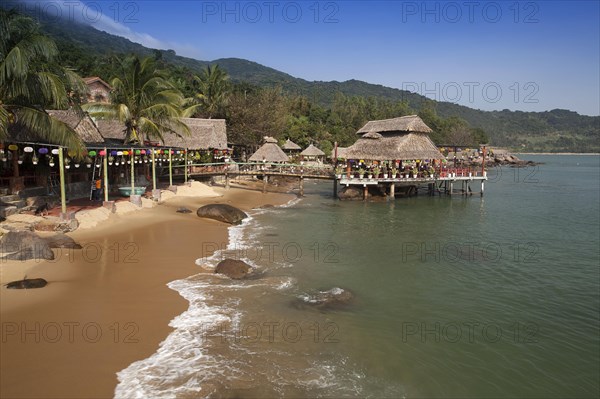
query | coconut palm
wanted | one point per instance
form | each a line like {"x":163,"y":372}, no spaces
{"x":143,"y":100}
{"x":31,"y":81}
{"x":213,"y":92}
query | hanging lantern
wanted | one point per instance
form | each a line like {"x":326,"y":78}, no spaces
{"x":34,"y":159}
{"x":92,"y":153}
{"x":51,"y":162}
{"x":77,"y":165}
{"x":119,"y":153}
{"x":43,"y":150}
{"x":102,"y":153}
{"x":113,"y":153}
{"x":111,"y":159}
{"x":137,"y":152}
{"x":55,"y":151}
{"x":2,"y":155}
{"x":20,"y":160}
{"x":125,"y":153}
{"x":28,"y":149}
{"x":13,"y":147}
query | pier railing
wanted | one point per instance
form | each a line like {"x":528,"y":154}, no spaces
{"x":258,"y":168}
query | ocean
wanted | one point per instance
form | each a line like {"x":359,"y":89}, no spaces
{"x":472,"y":297}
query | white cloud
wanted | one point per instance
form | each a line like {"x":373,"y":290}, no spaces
{"x":94,"y":14}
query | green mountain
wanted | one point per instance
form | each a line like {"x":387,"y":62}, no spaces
{"x":84,"y":48}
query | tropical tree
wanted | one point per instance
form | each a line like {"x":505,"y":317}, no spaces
{"x":143,"y":100}
{"x":31,"y":81}
{"x":213,"y":91}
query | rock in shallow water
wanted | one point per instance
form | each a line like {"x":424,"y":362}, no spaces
{"x":222,"y":212}
{"x":235,"y":269}
{"x":335,"y":298}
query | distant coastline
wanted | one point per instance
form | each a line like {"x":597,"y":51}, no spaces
{"x":557,"y":153}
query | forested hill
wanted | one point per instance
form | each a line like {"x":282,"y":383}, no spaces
{"x":86,"y":50}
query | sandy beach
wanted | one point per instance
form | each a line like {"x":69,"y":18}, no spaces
{"x":106,"y":305}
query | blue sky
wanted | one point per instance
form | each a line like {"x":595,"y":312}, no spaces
{"x":491,"y":55}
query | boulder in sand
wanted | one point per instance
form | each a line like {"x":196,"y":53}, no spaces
{"x":222,"y":212}
{"x":25,"y":245}
{"x":27,"y":283}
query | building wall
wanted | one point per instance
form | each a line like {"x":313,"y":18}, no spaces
{"x":98,"y":93}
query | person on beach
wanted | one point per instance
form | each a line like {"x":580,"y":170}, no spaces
{"x":97,"y":193}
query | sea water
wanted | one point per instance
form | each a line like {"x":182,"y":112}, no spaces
{"x":493,"y":296}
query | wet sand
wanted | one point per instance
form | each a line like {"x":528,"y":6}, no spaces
{"x":106,"y":305}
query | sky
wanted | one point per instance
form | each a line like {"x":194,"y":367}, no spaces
{"x":489,"y":55}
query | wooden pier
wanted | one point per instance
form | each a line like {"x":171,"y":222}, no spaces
{"x":448,"y":181}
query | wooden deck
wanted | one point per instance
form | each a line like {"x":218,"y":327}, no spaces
{"x":443,"y":179}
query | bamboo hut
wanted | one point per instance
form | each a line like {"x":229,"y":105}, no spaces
{"x":269,"y":152}
{"x":404,"y":138}
{"x":291,"y":148}
{"x":313,"y":154}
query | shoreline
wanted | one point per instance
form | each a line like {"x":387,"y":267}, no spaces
{"x":558,"y":153}
{"x":107,"y":305}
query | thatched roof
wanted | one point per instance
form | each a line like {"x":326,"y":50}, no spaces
{"x":291,"y":146}
{"x":111,"y":129}
{"x":269,"y":139}
{"x":269,"y":152}
{"x":393,"y":146}
{"x":312,"y":151}
{"x":411,"y":123}
{"x":80,"y":122}
{"x":341,"y":152}
{"x":205,"y":133}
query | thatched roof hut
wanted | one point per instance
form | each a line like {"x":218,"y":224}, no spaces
{"x":269,"y":152}
{"x":397,"y":139}
{"x":81,"y":122}
{"x":406,"y":124}
{"x":291,"y":146}
{"x":204,"y":133}
{"x":341,"y":152}
{"x":312,"y":151}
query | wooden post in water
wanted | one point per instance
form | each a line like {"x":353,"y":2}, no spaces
{"x":301,"y":183}
{"x":365,"y":192}
{"x":451,"y":187}
{"x":482,"y":187}
{"x":392,"y":191}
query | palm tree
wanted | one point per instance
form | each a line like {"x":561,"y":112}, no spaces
{"x":213,"y":92}
{"x":143,"y":100}
{"x":31,"y":81}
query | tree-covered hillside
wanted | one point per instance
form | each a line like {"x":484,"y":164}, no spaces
{"x":88,"y":51}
